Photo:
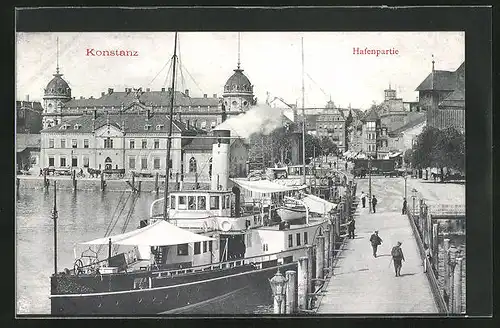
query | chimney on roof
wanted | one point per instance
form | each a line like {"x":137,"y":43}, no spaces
{"x":186,"y":92}
{"x":162,"y":89}
{"x":215,"y":95}
{"x":91,"y":97}
{"x":81,"y":97}
{"x":103,"y":93}
{"x":27,"y":97}
{"x":148,"y":89}
{"x":110,"y":91}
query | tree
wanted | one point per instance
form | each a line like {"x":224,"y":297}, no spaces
{"x":408,"y":157}
{"x":313,"y":145}
{"x":451,"y":149}
{"x":440,"y":149}
{"x":327,"y":147}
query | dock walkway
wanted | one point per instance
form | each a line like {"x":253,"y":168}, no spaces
{"x":364,"y":284}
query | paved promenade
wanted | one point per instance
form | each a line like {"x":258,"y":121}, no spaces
{"x":364,"y":284}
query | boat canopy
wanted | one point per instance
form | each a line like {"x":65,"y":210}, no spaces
{"x":317,"y":204}
{"x":265,"y":186}
{"x":160,"y":233}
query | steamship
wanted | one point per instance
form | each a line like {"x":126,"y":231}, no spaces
{"x":212,"y":245}
{"x":200,"y":247}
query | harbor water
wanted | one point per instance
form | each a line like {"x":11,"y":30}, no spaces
{"x":83,"y":216}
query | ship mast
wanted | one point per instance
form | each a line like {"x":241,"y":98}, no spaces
{"x":169,"y":139}
{"x":303,"y":121}
{"x":54,"y":217}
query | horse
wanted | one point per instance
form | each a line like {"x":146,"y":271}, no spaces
{"x":93,"y":172}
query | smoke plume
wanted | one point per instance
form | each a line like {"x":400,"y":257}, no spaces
{"x":258,"y":119}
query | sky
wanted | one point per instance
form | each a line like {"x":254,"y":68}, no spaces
{"x":271,"y":60}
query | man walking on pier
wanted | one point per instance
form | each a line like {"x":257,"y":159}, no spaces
{"x":363,"y":198}
{"x":397,"y":257}
{"x":351,"y":227}
{"x":374,"y":203}
{"x":375,"y":240}
{"x":403,"y":211}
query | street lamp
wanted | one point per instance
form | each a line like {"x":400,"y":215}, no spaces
{"x":278,"y":287}
{"x":405,"y":176}
{"x":414,"y":197}
{"x":369,"y":185}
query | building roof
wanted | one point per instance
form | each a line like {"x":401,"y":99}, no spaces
{"x":24,"y":140}
{"x":238,"y":83}
{"x":33,"y":105}
{"x":416,"y":120}
{"x":57,"y":87}
{"x":134,"y":123}
{"x":441,"y":80}
{"x":371,"y":115}
{"x":455,"y":99}
{"x":201,"y":143}
{"x":148,"y":98}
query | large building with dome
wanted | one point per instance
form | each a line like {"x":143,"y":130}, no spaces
{"x":127,"y":129}
{"x":201,"y":112}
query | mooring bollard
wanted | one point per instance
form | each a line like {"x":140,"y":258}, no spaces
{"x":451,"y":281}
{"x":434,"y":246}
{"x":446,"y":265}
{"x":328,"y":232}
{"x":74,"y":180}
{"x":278,"y":284}
{"x":290,"y":297}
{"x":320,"y":261}
{"x":457,"y":286}
{"x":302,"y":283}
{"x":156,"y":183}
{"x":310,"y":254}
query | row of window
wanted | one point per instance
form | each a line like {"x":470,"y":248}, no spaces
{"x":199,"y":202}
{"x":74,"y":161}
{"x":107,"y":143}
{"x":74,"y":143}
{"x":297,"y":236}
{"x":183,"y":249}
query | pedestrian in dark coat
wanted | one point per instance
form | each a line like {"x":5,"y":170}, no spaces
{"x":334,"y":165}
{"x":403,"y":211}
{"x":351,"y":227}
{"x":363,"y":199}
{"x":330,"y":163}
{"x":374,"y":203}
{"x":346,"y":165}
{"x":397,"y":257}
{"x":375,"y":240}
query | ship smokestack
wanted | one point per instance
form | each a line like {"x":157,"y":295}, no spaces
{"x":220,"y":160}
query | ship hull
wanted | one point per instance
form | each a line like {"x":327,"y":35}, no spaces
{"x":165,"y":299}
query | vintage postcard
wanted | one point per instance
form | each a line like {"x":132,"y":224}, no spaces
{"x":227,"y":173}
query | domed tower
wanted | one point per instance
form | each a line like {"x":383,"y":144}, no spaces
{"x":238,"y":91}
{"x":56,"y":93}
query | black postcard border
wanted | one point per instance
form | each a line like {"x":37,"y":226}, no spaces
{"x":475,"y":21}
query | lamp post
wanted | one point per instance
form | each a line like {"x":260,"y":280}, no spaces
{"x":414,"y":197}
{"x":405,"y":176}
{"x":369,"y":185}
{"x":278,"y":287}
